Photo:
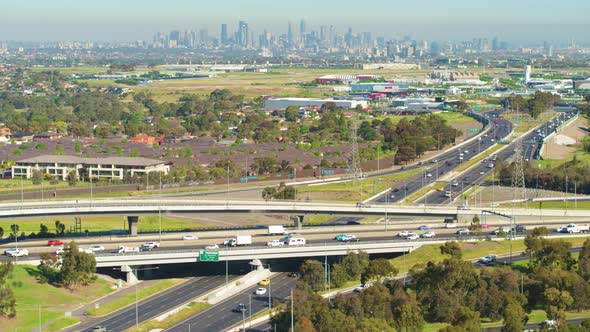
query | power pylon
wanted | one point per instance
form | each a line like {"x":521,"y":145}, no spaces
{"x":354,"y":158}
{"x":518,"y":184}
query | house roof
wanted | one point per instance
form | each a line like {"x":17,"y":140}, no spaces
{"x":126,"y":161}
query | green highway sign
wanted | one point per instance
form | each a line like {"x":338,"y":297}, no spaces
{"x":473,"y":130}
{"x":208,"y":256}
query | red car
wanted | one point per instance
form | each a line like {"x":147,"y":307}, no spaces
{"x":485,"y":226}
{"x":52,"y":243}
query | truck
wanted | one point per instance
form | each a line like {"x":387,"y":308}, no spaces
{"x":573,"y":228}
{"x":239,"y":240}
{"x":276,"y":230}
{"x":127,"y":250}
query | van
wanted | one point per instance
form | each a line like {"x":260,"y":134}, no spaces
{"x":296,"y":241}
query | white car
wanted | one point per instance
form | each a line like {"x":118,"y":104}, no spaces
{"x":212,"y":247}
{"x":260,"y":291}
{"x":96,"y":248}
{"x":189,"y":237}
{"x":16,"y":252}
{"x":349,"y":238}
{"x":429,"y":175}
{"x":275,"y":243}
{"x":403,"y":234}
{"x":151,"y":245}
{"x":428,"y":235}
{"x":361,"y":287}
{"x":463,"y":231}
{"x":412,"y":236}
{"x":59,"y":251}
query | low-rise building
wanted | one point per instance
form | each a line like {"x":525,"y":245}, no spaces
{"x":283,"y":103}
{"x":22,"y":136}
{"x":96,"y":168}
{"x":48,"y":136}
{"x":144,"y":139}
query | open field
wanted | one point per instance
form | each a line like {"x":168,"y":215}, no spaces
{"x":353,"y":191}
{"x":570,"y":205}
{"x":148,"y":223}
{"x":54,"y":301}
{"x":525,"y":122}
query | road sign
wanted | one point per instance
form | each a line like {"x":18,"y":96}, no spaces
{"x":208,"y":256}
{"x":473,"y":130}
{"x":517,"y":118}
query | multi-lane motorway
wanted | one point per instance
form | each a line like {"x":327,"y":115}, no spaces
{"x":531,"y":143}
{"x":449,"y":160}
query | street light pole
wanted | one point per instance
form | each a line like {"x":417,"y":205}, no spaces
{"x":292,"y":329}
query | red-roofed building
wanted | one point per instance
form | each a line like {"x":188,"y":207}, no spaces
{"x":144,"y":139}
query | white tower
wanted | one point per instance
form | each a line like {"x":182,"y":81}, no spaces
{"x":527,"y":74}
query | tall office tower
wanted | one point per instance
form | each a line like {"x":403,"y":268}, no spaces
{"x":243,"y":34}
{"x":290,"y":37}
{"x":204,"y":37}
{"x":495,"y":44}
{"x":323,"y":33}
{"x":224,"y":39}
{"x":348,"y":37}
{"x":302,"y":33}
{"x":527,"y":74}
{"x":331,"y":36}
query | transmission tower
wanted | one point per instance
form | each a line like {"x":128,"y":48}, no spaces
{"x":518,"y":186}
{"x":354,"y":158}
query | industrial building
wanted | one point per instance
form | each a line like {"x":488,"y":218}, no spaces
{"x":283,"y":103}
{"x":379,"y":87}
{"x":109,"y":167}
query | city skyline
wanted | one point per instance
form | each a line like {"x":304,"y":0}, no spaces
{"x":552,"y":20}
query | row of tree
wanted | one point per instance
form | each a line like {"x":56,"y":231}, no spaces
{"x":539,"y":103}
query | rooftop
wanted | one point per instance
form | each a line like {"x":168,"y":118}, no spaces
{"x":128,"y":161}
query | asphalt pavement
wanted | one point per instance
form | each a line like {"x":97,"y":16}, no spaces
{"x":221,"y":317}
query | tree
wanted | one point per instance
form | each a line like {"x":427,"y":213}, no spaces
{"x":355,"y":264}
{"x":556,"y":302}
{"x":584,"y":261}
{"x":375,"y":300}
{"x":377,"y":269}
{"x":269,"y":193}
{"x":514,"y":317}
{"x":304,"y":324}
{"x":292,"y":113}
{"x":475,"y":226}
{"x":312,"y":273}
{"x":77,"y":147}
{"x":59,"y":228}
{"x":7,"y":297}
{"x":72,"y":178}
{"x":77,"y":267}
{"x":452,"y":248}
{"x":408,"y":317}
{"x":338,"y":275}
{"x":37,"y":177}
{"x":1,"y":232}
{"x":14,"y":229}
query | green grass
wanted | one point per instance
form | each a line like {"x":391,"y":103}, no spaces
{"x":477,"y":159}
{"x":15,"y":185}
{"x":61,"y":323}
{"x":316,"y":220}
{"x":433,"y":327}
{"x":124,"y":301}
{"x":191,"y":310}
{"x":53,"y":300}
{"x":358,"y":190}
{"x":580,"y":205}
{"x":527,"y":123}
{"x":148,"y":223}
{"x":425,"y":190}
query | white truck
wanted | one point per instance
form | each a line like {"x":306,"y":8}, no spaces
{"x":573,"y":228}
{"x":127,"y":250}
{"x":239,"y":240}
{"x":275,"y":243}
{"x":276,"y":230}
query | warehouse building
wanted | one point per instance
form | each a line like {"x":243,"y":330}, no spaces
{"x":283,"y":103}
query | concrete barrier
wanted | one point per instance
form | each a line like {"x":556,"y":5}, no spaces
{"x":239,"y":285}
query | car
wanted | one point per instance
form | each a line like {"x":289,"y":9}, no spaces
{"x":339,"y":237}
{"x":463,"y":231}
{"x":392,"y":196}
{"x":260,"y":291}
{"x":429,"y":175}
{"x":17,"y":252}
{"x":455,"y":184}
{"x":450,"y":225}
{"x":549,"y":323}
{"x":59,"y":250}
{"x":99,"y":328}
{"x":189,"y":237}
{"x":499,"y":230}
{"x":294,"y":275}
{"x":240,"y":308}
{"x":482,"y":172}
{"x":275,"y":243}
{"x":52,"y":243}
{"x":361,"y":288}
{"x":489,"y":259}
{"x":96,"y":248}
{"x":151,"y":244}
{"x":264,"y":282}
{"x":412,"y":236}
{"x":395,"y":190}
{"x":146,"y":248}
{"x":423,"y":228}
{"x":350,"y":238}
{"x":520,"y":229}
{"x":428,"y":235}
{"x":485,"y":226}
{"x":212,"y":247}
{"x":403,"y":234}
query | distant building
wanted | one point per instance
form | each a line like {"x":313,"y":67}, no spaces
{"x":4,"y":134}
{"x":527,"y":74}
{"x":110,"y":168}
{"x":46,"y":137}
{"x":22,"y":136}
{"x":144,"y":139}
{"x":283,"y":103}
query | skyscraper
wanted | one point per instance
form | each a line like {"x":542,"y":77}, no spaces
{"x":527,"y":74}
{"x":290,"y":34}
{"x":224,"y":39}
{"x":243,"y":34}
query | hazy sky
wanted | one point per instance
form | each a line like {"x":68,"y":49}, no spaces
{"x":517,"y":20}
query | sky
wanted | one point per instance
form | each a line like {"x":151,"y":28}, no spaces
{"x":517,"y":20}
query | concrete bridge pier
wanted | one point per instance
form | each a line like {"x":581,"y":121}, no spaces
{"x":131,"y":274}
{"x":298,"y":221}
{"x":132,"y":221}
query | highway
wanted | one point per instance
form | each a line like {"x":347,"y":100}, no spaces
{"x":531,"y":144}
{"x":221,"y":317}
{"x":449,"y":160}
{"x":154,"y":306}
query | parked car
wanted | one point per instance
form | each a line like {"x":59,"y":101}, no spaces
{"x":423,"y":228}
{"x":428,"y":235}
{"x":260,"y":291}
{"x":189,"y":237}
{"x":212,"y":247}
{"x":240,"y":308}
{"x":52,"y":243}
{"x":463,"y":231}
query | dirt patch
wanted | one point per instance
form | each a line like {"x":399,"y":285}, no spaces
{"x":465,"y":128}
{"x":567,"y":141}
